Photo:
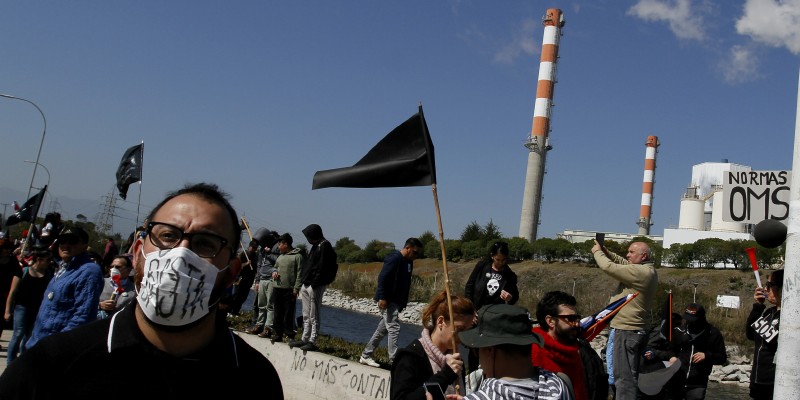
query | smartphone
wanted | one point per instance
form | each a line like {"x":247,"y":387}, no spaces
{"x":600,"y":238}
{"x":435,"y":390}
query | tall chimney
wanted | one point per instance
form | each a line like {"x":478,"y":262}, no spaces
{"x":651,"y":148}
{"x":538,"y":142}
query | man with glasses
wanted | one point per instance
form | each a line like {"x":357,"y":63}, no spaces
{"x":394,"y":284}
{"x":563,"y":350}
{"x":73,"y":295}
{"x":171,"y":336}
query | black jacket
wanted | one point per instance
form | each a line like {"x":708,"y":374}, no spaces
{"x":476,"y":290}
{"x":708,"y":341}
{"x":411,"y":369}
{"x":320,"y":268}
{"x":765,"y":336}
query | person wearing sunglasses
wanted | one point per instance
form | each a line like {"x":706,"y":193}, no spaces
{"x":762,"y":328}
{"x":73,"y":295}
{"x":173,"y":335}
{"x":563,"y":350}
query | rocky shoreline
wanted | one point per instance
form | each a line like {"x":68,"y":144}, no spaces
{"x":737,"y":371}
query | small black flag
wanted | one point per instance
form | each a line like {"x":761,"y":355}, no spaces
{"x":29,"y":210}
{"x":130,"y":169}
{"x":403,"y":158}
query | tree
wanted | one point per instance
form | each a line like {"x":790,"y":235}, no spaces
{"x":433,"y":249}
{"x":473,"y":231}
{"x":709,"y":252}
{"x":562,"y":249}
{"x":426,"y":238}
{"x":680,"y":255}
{"x":491,"y":233}
{"x":453,"y":249}
{"x":473,"y":249}
{"x":520,"y":248}
{"x":344,"y":247}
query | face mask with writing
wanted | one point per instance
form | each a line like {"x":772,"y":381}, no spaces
{"x":176,"y":286}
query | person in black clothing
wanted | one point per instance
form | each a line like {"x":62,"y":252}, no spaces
{"x":699,"y":345}
{"x":319,"y":272}
{"x":170,"y":335}
{"x":491,"y":282}
{"x":762,"y":328}
{"x":431,"y":358}
{"x":391,"y":294}
{"x":246,"y":277}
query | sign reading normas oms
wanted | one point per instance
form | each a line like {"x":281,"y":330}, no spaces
{"x":753,"y":196}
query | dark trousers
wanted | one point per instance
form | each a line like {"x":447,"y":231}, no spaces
{"x":246,"y":278}
{"x":285,"y":305}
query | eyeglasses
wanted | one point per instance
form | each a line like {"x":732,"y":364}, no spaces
{"x":772,"y":285}
{"x":166,"y":236}
{"x":571,"y":318}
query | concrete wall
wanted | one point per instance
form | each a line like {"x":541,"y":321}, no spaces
{"x":314,"y":375}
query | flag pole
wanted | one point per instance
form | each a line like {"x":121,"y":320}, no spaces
{"x":141,"y":178}
{"x":251,"y":239}
{"x":432,"y":169}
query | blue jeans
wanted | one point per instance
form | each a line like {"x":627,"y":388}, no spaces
{"x":389,"y":324}
{"x":23,"y":328}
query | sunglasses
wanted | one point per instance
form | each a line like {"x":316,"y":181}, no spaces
{"x":572,"y":318}
{"x":771,"y":285}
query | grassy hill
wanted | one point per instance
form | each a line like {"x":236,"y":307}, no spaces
{"x":590,"y":286}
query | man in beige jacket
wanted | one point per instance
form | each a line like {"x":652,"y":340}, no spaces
{"x":635,"y":273}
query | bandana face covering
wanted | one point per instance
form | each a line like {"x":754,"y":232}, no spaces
{"x":176,"y":286}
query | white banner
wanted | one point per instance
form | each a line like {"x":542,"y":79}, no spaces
{"x":753,"y":196}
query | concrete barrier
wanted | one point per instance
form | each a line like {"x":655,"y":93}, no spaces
{"x":314,"y":375}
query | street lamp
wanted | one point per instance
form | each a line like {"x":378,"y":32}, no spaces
{"x":41,"y":143}
{"x":45,"y":170}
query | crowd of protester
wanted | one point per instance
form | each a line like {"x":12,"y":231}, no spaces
{"x":54,"y":285}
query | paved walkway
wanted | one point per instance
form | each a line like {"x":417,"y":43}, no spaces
{"x":4,"y":338}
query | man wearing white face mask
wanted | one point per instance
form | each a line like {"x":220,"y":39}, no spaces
{"x":119,"y":289}
{"x":171,"y":335}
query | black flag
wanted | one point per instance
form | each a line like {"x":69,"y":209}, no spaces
{"x":29,"y":210}
{"x":403,"y":158}
{"x":130,"y":169}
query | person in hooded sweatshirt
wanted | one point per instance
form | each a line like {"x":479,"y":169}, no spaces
{"x":699,"y":345}
{"x":286,"y":278}
{"x":319,"y":272}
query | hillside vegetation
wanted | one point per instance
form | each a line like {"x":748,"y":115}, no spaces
{"x":590,"y":286}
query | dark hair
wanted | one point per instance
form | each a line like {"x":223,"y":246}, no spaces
{"x":128,"y":262}
{"x":776,"y":278}
{"x":212,"y":193}
{"x":548,"y":305}
{"x":438,"y":308}
{"x":499,"y":247}
{"x":413,"y":242}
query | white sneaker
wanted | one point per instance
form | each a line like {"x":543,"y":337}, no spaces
{"x":369,"y":361}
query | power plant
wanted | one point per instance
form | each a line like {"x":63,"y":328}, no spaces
{"x":538,"y":143}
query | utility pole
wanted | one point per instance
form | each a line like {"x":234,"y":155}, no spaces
{"x":105,"y":220}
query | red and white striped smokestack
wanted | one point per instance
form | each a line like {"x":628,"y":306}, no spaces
{"x":539,"y":143}
{"x":647,"y":185}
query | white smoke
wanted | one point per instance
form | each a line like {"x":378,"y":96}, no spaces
{"x":683,"y":21}
{"x":522,"y":43}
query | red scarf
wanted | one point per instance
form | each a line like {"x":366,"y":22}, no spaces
{"x":560,"y":357}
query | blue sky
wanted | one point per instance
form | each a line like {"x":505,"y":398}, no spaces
{"x":258,"y":95}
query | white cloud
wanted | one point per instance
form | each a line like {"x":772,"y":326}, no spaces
{"x":685,"y":22}
{"x":772,"y":22}
{"x":741,"y":65}
{"x":523,"y":43}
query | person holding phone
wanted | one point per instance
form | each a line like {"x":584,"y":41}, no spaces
{"x":635,"y":273}
{"x":763,"y":327}
{"x":430,"y":364}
